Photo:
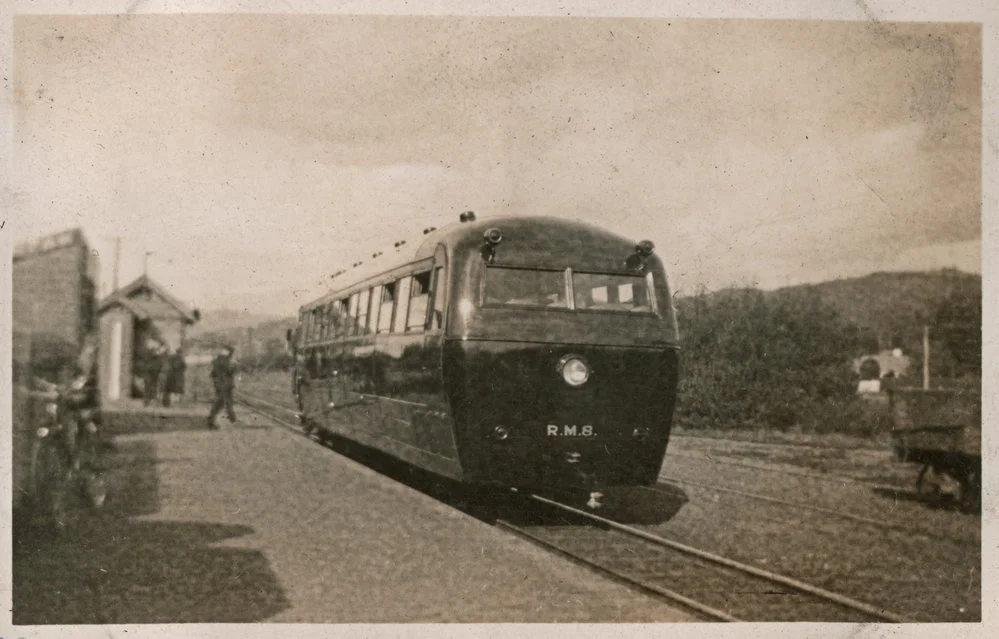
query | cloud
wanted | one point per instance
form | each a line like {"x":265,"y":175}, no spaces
{"x":267,"y":151}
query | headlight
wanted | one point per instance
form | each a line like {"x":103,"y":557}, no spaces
{"x":575,"y":371}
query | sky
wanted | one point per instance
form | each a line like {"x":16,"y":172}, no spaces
{"x":251,"y":156}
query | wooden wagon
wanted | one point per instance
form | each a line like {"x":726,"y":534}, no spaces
{"x":940,"y":430}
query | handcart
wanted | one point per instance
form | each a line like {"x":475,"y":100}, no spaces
{"x":941,"y":430}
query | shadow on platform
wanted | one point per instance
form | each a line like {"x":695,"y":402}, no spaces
{"x":134,"y":418}
{"x":112,"y":569}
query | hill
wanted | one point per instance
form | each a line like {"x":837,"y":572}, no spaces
{"x":894,"y":307}
{"x":257,"y":343}
{"x":226,"y":320}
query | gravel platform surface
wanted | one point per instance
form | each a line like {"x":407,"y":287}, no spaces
{"x":253,"y":523}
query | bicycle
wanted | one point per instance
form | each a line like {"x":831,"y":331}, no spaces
{"x":65,"y":465}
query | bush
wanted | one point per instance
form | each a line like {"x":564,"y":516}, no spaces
{"x":772,"y":360}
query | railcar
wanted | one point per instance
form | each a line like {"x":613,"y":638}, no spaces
{"x":527,"y":352}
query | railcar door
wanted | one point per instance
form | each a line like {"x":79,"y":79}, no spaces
{"x":356,"y":410}
{"x":433,"y":423}
{"x":408,"y":375}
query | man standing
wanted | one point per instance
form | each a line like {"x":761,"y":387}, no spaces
{"x":150,"y":365}
{"x":224,"y":380}
{"x":174,"y":368}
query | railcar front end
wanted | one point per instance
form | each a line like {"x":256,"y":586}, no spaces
{"x":561,"y":358}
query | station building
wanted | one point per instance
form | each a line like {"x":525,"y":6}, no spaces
{"x":131,"y":320}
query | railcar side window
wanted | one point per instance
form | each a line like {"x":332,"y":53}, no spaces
{"x":418,"y":302}
{"x":385,"y":313}
{"x":352,"y":323}
{"x":525,"y":287}
{"x":333,"y":319}
{"x":438,"y":291}
{"x":314,"y":325}
{"x":362,"y":311}
{"x":402,"y":305}
{"x":611,"y":292}
{"x":323,"y":322}
{"x":343,"y":327}
{"x":312,"y":362}
{"x":375,"y":308}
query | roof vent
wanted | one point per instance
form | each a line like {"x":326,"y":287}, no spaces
{"x":467,"y":216}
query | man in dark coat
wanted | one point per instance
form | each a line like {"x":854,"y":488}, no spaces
{"x":224,"y":380}
{"x":150,"y":365}
{"x":174,"y":369}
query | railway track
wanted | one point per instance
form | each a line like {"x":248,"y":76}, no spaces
{"x":242,"y":397}
{"x":893,"y":527}
{"x":775,"y":444}
{"x":713,"y":587}
{"x":837,"y":479}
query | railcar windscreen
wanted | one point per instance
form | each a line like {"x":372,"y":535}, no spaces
{"x":525,"y":287}
{"x":611,"y":292}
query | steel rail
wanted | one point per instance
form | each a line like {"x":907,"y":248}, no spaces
{"x":801,"y":586}
{"x":295,"y":428}
{"x":784,"y":471}
{"x":665,"y":593}
{"x":801,"y":506}
{"x":272,"y":404}
{"x":677,"y":435}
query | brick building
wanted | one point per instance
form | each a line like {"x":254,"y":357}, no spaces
{"x":53,"y":297}
{"x":53,"y":314}
{"x":138,"y":314}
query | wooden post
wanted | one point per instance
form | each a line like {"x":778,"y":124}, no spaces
{"x":117,"y":259}
{"x":926,"y":358}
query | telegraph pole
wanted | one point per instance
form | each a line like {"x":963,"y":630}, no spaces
{"x":117,"y":259}
{"x":926,"y":358}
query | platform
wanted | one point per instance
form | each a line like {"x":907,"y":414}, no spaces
{"x":255,"y":523}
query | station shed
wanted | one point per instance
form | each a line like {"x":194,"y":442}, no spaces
{"x":136,"y":315}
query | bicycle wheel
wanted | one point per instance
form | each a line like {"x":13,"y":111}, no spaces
{"x":51,"y":477}
{"x":93,"y":488}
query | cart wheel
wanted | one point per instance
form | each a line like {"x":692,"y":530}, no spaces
{"x":928,"y":483}
{"x":970,"y":496}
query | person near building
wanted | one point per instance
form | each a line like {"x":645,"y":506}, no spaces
{"x":173,"y":377}
{"x":178,"y":369}
{"x":150,"y":364}
{"x":224,"y":380}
